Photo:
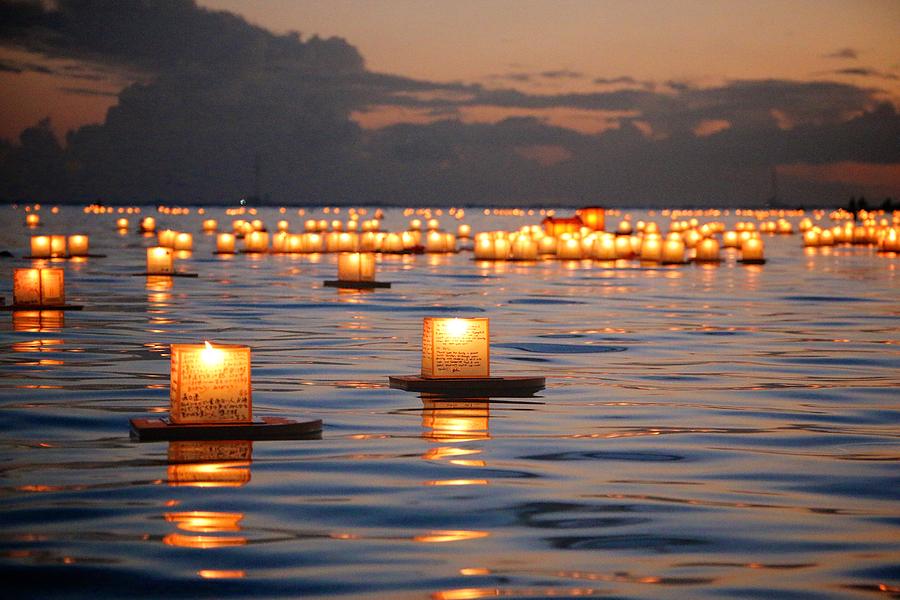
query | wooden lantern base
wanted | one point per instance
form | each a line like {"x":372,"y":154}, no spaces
{"x":357,"y":285}
{"x":674,"y":262}
{"x":175,"y":274}
{"x":704,"y":261}
{"x":752,"y":261}
{"x":217,"y":253}
{"x":267,"y":428}
{"x":470,"y":386}
{"x":9,"y":307}
{"x":66,"y":257}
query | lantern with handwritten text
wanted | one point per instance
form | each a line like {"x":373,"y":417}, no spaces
{"x":39,"y":287}
{"x":160,"y":261}
{"x":454,"y":347}
{"x":210,"y":384}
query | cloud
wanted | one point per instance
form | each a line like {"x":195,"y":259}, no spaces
{"x":845,"y":53}
{"x":211,"y":94}
{"x":87,"y":92}
{"x":561,"y":74}
{"x":866,"y":72}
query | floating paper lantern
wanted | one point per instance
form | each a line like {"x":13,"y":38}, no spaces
{"x":593,"y":217}
{"x":707,"y":251}
{"x":294,"y":243}
{"x":183,"y":241}
{"x":434,"y":241}
{"x":673,"y":251}
{"x":502,"y":248}
{"x":623,"y":246}
{"x":148,"y":225}
{"x":568,"y":249}
{"x":783,"y":227}
{"x":356,"y":266}
{"x":122,"y":223}
{"x":558,"y":226}
{"x":312,"y":242}
{"x":256,"y":241}
{"x":752,"y":250}
{"x":57,"y":245}
{"x":78,"y":245}
{"x":40,"y":246}
{"x":524,"y":248}
{"x":651,"y":248}
{"x":484,"y":248}
{"x":160,"y":261}
{"x":39,"y":287}
{"x":464,"y":231}
{"x":455,"y":347}
{"x":547,"y":245}
{"x":32,"y":219}
{"x":730,"y":239}
{"x":433,"y":224}
{"x":279,"y":241}
{"x":166,"y":238}
{"x":210,"y":225}
{"x":624,"y":228}
{"x":604,"y":247}
{"x":210,"y":384}
{"x":225,"y":243}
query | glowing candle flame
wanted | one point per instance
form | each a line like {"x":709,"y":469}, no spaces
{"x":210,"y":355}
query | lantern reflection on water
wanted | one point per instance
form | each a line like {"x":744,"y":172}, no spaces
{"x":38,"y":321}
{"x":209,"y":463}
{"x":456,"y":420}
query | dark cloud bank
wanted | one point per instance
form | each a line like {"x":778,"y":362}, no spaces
{"x":216,"y":92}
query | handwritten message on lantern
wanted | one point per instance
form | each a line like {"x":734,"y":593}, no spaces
{"x":455,"y":347}
{"x":210,"y":384}
{"x":39,"y":287}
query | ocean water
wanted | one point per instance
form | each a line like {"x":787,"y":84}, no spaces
{"x":723,"y":431}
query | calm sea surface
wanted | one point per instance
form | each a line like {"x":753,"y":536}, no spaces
{"x":706,"y":432}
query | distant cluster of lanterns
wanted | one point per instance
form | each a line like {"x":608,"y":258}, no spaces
{"x":577,"y":238}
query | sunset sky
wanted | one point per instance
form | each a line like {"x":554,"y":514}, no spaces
{"x":703,"y":70}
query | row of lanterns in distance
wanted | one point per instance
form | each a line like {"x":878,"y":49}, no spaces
{"x":317,"y":237}
{"x":882,"y":233}
{"x":532,"y":242}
